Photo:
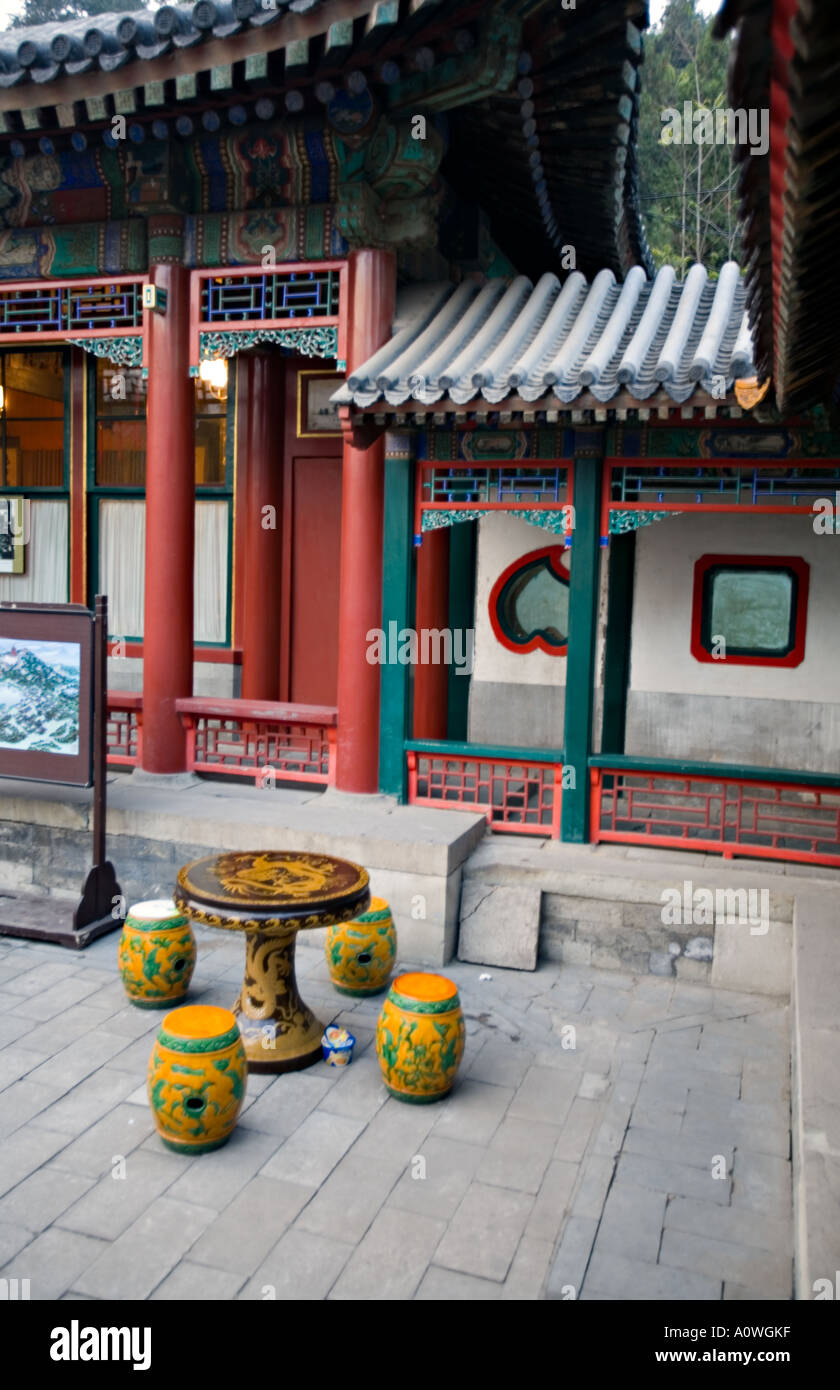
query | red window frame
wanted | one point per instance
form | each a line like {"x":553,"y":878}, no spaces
{"x":794,"y":563}
{"x":555,"y":554}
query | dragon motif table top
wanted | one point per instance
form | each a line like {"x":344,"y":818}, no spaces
{"x":272,"y":889}
{"x":271,"y":895}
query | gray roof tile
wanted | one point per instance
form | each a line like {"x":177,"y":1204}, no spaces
{"x":507,"y":338}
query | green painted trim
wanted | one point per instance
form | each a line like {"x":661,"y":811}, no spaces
{"x":718,"y":771}
{"x":217,"y":1044}
{"x":580,"y":661}
{"x":157,"y":1003}
{"x":397,"y":565}
{"x":462,"y":553}
{"x":424,"y":1006}
{"x":417,"y":1100}
{"x":617,"y":644}
{"x":161,"y":924}
{"x":187,"y":1149}
{"x":485,"y":751}
{"x":360,"y":993}
{"x":382,"y":914}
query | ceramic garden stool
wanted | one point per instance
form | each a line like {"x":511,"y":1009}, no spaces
{"x":156,"y":954}
{"x":197,"y":1075}
{"x":361,"y":954}
{"x":271,"y":896}
{"x":420,"y":1037}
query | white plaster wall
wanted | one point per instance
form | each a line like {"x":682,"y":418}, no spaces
{"x":218,"y":679}
{"x":501,"y":540}
{"x":666,"y":553}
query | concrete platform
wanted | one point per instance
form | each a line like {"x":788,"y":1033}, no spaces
{"x":414,"y":855}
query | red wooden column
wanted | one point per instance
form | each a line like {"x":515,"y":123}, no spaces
{"x":372,"y":288}
{"x":431,"y":681}
{"x":261,"y":559}
{"x":170,"y":526}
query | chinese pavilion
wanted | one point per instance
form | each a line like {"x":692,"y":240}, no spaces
{"x":336,"y":318}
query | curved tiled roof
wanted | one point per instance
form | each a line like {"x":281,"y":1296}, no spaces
{"x":514,"y":338}
{"x":45,"y":52}
{"x":786,"y":58}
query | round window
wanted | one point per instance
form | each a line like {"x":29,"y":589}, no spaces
{"x":529,"y":603}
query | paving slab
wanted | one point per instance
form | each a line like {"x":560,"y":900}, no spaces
{"x":302,"y":1266}
{"x":485,"y":1231}
{"x":550,"y":1171}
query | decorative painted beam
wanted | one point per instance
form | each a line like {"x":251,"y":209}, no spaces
{"x":256,"y":67}
{"x":339,"y":42}
{"x":185,"y":86}
{"x":125,"y":102}
{"x":296,"y":58}
{"x":221,"y":78}
{"x":381,"y":24}
{"x":153,"y":93}
{"x":462,"y":78}
{"x":96,"y":108}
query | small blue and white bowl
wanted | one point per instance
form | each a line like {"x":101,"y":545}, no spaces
{"x":337,"y":1045}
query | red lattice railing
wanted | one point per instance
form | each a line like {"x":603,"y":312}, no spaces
{"x":516,"y":790}
{"x":747,"y":812}
{"x":261,"y":739}
{"x":124,"y":728}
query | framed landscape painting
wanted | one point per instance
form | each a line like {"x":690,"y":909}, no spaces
{"x":46,"y":692}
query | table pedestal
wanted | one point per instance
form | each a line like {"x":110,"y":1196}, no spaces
{"x":279,"y":1031}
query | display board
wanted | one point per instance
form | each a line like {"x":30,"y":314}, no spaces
{"x":46,"y":693}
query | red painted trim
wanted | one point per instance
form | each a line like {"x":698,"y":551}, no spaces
{"x":555,"y":554}
{"x":733,"y":848}
{"x":668,"y":461}
{"x":261,"y":710}
{"x":369,"y":313}
{"x":124,"y":699}
{"x":800,"y":568}
{"x":220,"y":656}
{"x":259,"y":568}
{"x":431,"y":682}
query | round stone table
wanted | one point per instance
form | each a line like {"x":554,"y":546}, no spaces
{"x":271,"y":895}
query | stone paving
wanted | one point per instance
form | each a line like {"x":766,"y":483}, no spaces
{"x":610,"y":1137}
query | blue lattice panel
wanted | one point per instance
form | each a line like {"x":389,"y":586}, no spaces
{"x":271,"y":296}
{"x":75,"y":307}
{"x":730,"y":486}
{"x":501,"y":487}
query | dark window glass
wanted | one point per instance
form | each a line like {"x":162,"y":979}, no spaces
{"x":534,"y":602}
{"x":120,"y":426}
{"x":210,"y":433}
{"x":752,"y":609}
{"x":121,"y":429}
{"x":33,"y":418}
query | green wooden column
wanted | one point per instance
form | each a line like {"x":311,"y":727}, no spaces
{"x":580,"y":663}
{"x":397,"y":564}
{"x":617,"y":642}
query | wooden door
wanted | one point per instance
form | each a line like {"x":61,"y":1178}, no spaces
{"x":311,"y":549}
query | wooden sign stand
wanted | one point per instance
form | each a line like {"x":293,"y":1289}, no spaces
{"x":101,"y":908}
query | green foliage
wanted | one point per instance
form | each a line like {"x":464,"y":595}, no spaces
{"x":688,"y":191}
{"x":59,"y":11}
